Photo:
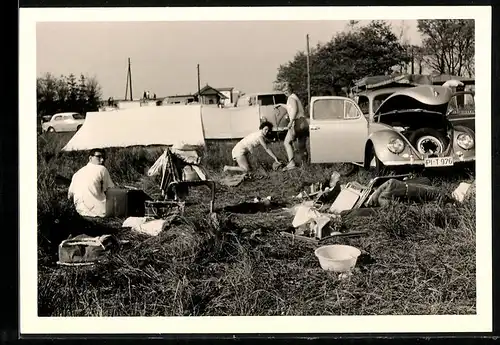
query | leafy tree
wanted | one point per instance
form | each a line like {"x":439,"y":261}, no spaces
{"x":449,"y":45}
{"x":368,"y":50}
{"x":93,"y":94}
{"x":46,"y":94}
{"x":62,"y":94}
{"x":295,"y":73}
{"x":72,"y":98}
{"x":417,"y":58}
{"x":82,"y":93}
{"x":66,"y":94}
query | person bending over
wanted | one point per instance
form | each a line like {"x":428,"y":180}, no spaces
{"x":245,"y":147}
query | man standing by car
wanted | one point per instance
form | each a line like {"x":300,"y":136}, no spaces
{"x":89,"y":185}
{"x":298,"y":128}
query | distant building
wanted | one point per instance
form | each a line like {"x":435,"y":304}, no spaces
{"x":128,"y":104}
{"x":228,"y":92}
{"x":210,"y":95}
{"x":179,"y":99}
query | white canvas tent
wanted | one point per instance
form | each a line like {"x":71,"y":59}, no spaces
{"x":163,"y":125}
{"x":229,"y":123}
{"x":138,"y":126}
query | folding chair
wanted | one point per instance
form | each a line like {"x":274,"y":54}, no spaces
{"x":174,"y":187}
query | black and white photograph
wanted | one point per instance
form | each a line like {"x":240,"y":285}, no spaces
{"x":315,"y":169}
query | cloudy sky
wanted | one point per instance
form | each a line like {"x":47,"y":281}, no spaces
{"x":240,"y":54}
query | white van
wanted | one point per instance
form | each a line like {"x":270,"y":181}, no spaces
{"x":266,"y":102}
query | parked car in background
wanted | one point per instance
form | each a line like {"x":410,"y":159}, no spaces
{"x":410,"y":127}
{"x":369,"y":101}
{"x":462,"y":109}
{"x":266,"y":101}
{"x":63,"y":122}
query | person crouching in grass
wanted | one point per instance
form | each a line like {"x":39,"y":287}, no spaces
{"x":89,"y":185}
{"x":246,"y":146}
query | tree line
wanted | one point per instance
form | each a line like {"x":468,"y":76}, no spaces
{"x":67,"y":94}
{"x":374,"y":49}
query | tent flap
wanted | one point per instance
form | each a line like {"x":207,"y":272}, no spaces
{"x":139,"y":127}
{"x":229,"y":123}
{"x":163,"y":125}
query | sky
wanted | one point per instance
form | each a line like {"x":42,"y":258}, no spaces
{"x":164,"y":55}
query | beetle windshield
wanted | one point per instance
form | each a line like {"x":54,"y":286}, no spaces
{"x":377,"y":100}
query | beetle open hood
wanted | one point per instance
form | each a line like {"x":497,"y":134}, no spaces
{"x":424,"y":97}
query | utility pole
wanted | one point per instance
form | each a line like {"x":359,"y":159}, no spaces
{"x":130,"y":77}
{"x":129,"y":82}
{"x":199,"y":96}
{"x":126,"y":87}
{"x":308,"y":73}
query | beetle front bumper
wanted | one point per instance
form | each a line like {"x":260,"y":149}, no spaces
{"x":456,"y":160}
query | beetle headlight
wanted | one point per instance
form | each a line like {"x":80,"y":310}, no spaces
{"x":396,"y":145}
{"x":465,"y":141}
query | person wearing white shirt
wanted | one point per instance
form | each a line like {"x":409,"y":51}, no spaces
{"x":297,"y":128}
{"x":246,"y":146}
{"x":89,"y":185}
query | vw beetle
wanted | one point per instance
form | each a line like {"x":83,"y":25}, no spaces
{"x":409,"y":128}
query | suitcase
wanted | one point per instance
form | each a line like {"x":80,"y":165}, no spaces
{"x":124,"y":203}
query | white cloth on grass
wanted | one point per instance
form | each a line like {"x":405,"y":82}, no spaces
{"x":88,"y":187}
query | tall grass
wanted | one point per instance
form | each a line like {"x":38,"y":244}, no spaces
{"x":417,"y":259}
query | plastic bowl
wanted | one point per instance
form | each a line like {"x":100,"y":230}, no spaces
{"x":337,"y":257}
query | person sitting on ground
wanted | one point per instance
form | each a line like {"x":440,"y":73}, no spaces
{"x":246,"y":145}
{"x":89,"y":185}
{"x":297,"y":128}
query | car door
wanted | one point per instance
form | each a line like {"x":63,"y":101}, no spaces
{"x":338,"y":130}
{"x":67,"y":123}
{"x":73,"y":122}
{"x":363,"y":103}
{"x":57,"y":123}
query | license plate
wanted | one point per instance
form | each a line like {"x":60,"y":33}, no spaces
{"x":438,"y":162}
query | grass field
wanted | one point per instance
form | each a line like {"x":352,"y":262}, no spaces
{"x":421,"y":257}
